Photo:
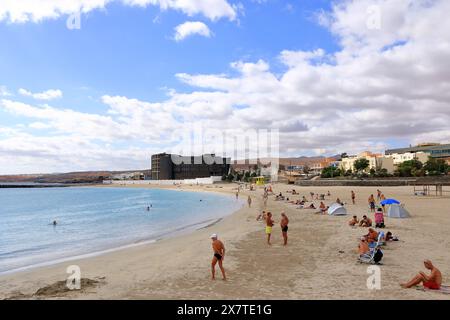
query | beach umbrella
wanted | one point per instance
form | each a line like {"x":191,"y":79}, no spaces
{"x":390,"y":201}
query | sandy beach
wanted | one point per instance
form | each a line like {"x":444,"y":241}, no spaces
{"x":318,"y":263}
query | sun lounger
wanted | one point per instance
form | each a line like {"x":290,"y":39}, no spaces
{"x":369,"y":258}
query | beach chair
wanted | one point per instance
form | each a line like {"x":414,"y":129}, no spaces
{"x":379,"y":242}
{"x":373,"y":257}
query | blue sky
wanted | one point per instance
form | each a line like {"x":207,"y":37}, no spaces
{"x":129,"y":52}
{"x":124,"y":50}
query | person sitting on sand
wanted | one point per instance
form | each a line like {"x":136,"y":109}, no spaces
{"x":304,"y":199}
{"x":353,"y":222}
{"x":312,"y":206}
{"x":329,"y":193}
{"x":363,"y":247}
{"x":323,"y":208}
{"x":372,"y":236}
{"x":365,"y":222}
{"x":260,"y":216}
{"x":432,"y":282}
{"x":284,"y":227}
{"x":339,"y":201}
{"x":269,"y":225}
{"x":219,"y":255}
{"x":379,"y":218}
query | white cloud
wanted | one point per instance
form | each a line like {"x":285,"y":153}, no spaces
{"x":4,"y":92}
{"x":46,"y":95}
{"x":191,"y":28}
{"x":212,"y":9}
{"x":39,"y":10}
{"x":392,"y":83}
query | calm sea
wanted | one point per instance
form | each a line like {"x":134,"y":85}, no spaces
{"x":95,"y":220}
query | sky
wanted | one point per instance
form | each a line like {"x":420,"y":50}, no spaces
{"x":103,"y":84}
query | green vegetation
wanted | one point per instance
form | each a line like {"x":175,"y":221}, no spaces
{"x":331,"y":172}
{"x":361,"y":164}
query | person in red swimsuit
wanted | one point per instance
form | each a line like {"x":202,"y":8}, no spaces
{"x":433,"y":281}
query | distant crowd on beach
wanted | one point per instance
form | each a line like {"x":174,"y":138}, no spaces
{"x":369,"y":244}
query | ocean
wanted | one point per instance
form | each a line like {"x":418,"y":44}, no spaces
{"x":95,"y":220}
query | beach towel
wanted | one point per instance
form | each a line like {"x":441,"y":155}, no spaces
{"x":443,"y":289}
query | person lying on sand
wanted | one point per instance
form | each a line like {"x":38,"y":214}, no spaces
{"x":219,"y":255}
{"x":365,"y":222}
{"x":284,"y":227}
{"x":363,"y":247}
{"x":390,"y":237}
{"x":269,"y":225}
{"x":432,"y":282}
{"x":353,"y":222}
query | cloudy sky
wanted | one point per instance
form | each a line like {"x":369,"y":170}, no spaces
{"x":103,"y":84}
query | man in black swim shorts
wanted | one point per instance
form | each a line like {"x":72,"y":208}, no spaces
{"x":284,"y":227}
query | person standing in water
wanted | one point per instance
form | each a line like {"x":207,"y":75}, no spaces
{"x":249,"y":201}
{"x":284,"y":227}
{"x":219,"y":255}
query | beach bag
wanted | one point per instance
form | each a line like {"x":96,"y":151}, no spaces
{"x":378,"y":256}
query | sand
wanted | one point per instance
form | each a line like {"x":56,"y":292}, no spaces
{"x":318,"y":263}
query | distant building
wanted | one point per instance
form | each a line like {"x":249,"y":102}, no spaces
{"x":433,"y":150}
{"x":317,"y":167}
{"x":174,"y":167}
{"x":376,"y":162}
{"x":129,"y":176}
{"x":408,"y":156}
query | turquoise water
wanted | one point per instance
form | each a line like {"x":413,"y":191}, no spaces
{"x":92,"y":220}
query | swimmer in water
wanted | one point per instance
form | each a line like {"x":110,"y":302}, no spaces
{"x":54,"y":222}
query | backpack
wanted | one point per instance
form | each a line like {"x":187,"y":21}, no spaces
{"x":378,"y":256}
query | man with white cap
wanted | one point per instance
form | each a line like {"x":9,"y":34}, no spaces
{"x":219,"y":255}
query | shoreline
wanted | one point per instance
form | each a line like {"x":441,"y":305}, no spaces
{"x":178,"y":232}
{"x":318,"y":263}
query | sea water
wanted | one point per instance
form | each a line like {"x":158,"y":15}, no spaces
{"x":95,"y":220}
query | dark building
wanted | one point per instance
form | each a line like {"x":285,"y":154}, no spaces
{"x":434,"y":150}
{"x":173,"y":167}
